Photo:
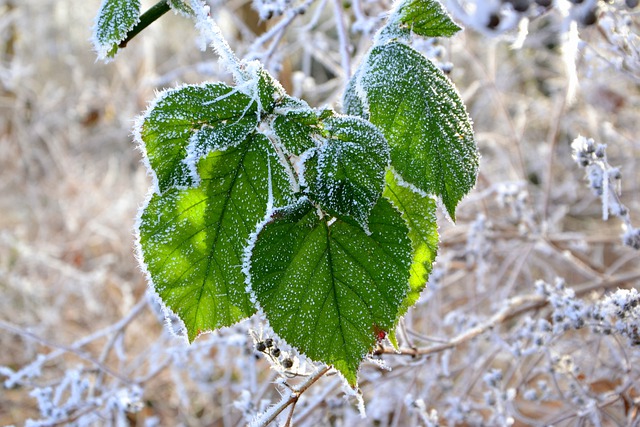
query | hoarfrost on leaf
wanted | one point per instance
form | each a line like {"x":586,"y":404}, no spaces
{"x":192,"y":240}
{"x":422,"y":118}
{"x":419,"y":212}
{"x":326,"y":287}
{"x":345,"y":174}
{"x":185,"y":123}
{"x":425,"y":18}
{"x":114,"y":20}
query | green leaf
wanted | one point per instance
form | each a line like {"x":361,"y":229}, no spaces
{"x":419,"y":212}
{"x":426,"y":18}
{"x":114,"y":20}
{"x":181,"y":7}
{"x":345,"y":175}
{"x":294,"y":123}
{"x":192,"y":240}
{"x":186,"y":123}
{"x":269,"y":89}
{"x":327,"y":287}
{"x":423,"y":119}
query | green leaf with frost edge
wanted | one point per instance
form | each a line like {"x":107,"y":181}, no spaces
{"x":422,"y":117}
{"x":193,"y":240}
{"x":185,"y":123}
{"x":345,"y":175}
{"x":294,"y":124}
{"x":325,"y":286}
{"x":426,"y":18}
{"x":112,"y":23}
{"x":419,"y":212}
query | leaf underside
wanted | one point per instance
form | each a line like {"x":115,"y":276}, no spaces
{"x":326,"y":287}
{"x":193,"y":239}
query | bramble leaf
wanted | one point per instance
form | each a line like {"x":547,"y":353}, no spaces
{"x":294,"y":123}
{"x":426,"y":18}
{"x":345,"y":175}
{"x":327,"y":287}
{"x":269,"y":89}
{"x":114,"y":20}
{"x":419,"y":212}
{"x":423,"y":119}
{"x":192,"y":240}
{"x":186,"y":123}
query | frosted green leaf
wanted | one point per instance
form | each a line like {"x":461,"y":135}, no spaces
{"x":269,"y":89}
{"x":294,"y":123}
{"x":114,"y":20}
{"x":186,"y":123}
{"x":419,"y":212}
{"x":328,"y":288}
{"x":421,"y":115}
{"x":426,"y":18}
{"x":192,"y":240}
{"x":345,"y":175}
{"x":181,"y":6}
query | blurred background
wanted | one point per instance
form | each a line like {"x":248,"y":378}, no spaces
{"x":81,"y":343}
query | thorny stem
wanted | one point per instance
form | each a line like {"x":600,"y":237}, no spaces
{"x":292,"y":399}
{"x":146,"y":19}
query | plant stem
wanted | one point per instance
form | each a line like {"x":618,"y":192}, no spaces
{"x":146,"y":19}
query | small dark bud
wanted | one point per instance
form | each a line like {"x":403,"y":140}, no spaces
{"x":268,"y":342}
{"x":494,"y":21}
{"x":600,"y":149}
{"x":287,"y":363}
{"x":631,"y":3}
{"x":544,"y":3}
{"x":590,"y":18}
{"x":261,"y":346}
{"x":275,"y":352}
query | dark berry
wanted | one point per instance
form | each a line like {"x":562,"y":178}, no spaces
{"x":268,"y":342}
{"x":494,"y":21}
{"x":520,"y":5}
{"x":590,"y":18}
{"x":544,"y":3}
{"x":287,"y":363}
{"x":275,"y":352}
{"x":261,"y":346}
{"x":631,"y":3}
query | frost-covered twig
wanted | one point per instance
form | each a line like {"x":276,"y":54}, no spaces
{"x":291,"y":398}
{"x":277,"y":31}
{"x":604,"y":181}
{"x":513,"y":307}
{"x":211,"y":35}
{"x":345,"y":54}
{"x":74,"y":348}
